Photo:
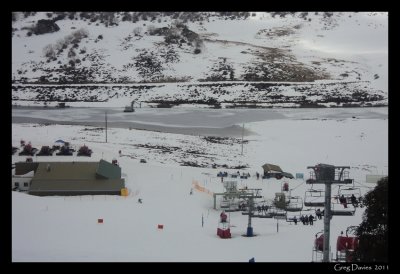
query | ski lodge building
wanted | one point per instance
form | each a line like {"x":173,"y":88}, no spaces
{"x":70,"y":178}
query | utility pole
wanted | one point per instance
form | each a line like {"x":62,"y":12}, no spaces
{"x":106,"y":126}
{"x":325,"y":174}
{"x":242,"y":139}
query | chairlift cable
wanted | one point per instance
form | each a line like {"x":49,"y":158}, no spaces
{"x":298,"y":185}
{"x":362,"y":185}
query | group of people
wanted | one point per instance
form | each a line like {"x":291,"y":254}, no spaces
{"x":305,"y":219}
{"x":353,"y":200}
{"x":262,"y":209}
{"x":222,"y":174}
{"x":319,"y":213}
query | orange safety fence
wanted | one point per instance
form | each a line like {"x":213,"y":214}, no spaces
{"x":201,"y":188}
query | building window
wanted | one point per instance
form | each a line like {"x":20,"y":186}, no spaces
{"x":25,"y":184}
{"x":16,"y":184}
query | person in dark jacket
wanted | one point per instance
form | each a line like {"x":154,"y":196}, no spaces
{"x":318,"y":213}
{"x":223,"y":217}
{"x":343,"y":201}
{"x":354,"y":201}
{"x":311,"y":219}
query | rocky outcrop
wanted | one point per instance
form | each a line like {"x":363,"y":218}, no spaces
{"x":45,"y":26}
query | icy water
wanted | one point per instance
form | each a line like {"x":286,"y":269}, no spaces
{"x":218,"y":122}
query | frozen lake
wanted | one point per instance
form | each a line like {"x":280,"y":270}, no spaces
{"x":219,"y":122}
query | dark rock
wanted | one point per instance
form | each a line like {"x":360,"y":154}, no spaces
{"x":45,"y":26}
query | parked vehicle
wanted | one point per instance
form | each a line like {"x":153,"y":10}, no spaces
{"x":84,"y":151}
{"x":45,"y":151}
{"x":65,"y":151}
{"x":28,"y":150}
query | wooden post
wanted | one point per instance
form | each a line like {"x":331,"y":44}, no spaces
{"x":277,"y":225}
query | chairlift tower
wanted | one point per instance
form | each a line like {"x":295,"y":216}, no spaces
{"x":247,"y":194}
{"x":328,"y":175}
{"x":249,"y":232}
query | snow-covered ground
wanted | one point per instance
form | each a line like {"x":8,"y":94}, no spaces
{"x":66,"y":229}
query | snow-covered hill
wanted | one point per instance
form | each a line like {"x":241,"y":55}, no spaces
{"x":65,"y":229}
{"x":243,"y":57}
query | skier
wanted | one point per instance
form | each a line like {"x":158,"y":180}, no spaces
{"x":311,"y":219}
{"x":343,"y":201}
{"x":318,"y":213}
{"x":354,"y":201}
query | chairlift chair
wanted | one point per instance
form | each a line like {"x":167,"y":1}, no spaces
{"x":314,"y":197}
{"x":276,"y":212}
{"x":224,"y":204}
{"x":281,"y":200}
{"x":233,"y":206}
{"x":318,"y":247}
{"x":341,"y":210}
{"x":346,"y":245}
{"x":295,"y":204}
{"x":348,"y":192}
{"x":291,"y":215}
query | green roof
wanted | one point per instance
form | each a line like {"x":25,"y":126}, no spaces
{"x":108,"y":170}
{"x":82,"y":177}
{"x":76,"y":185}
{"x":66,"y":171}
{"x":22,"y":168}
